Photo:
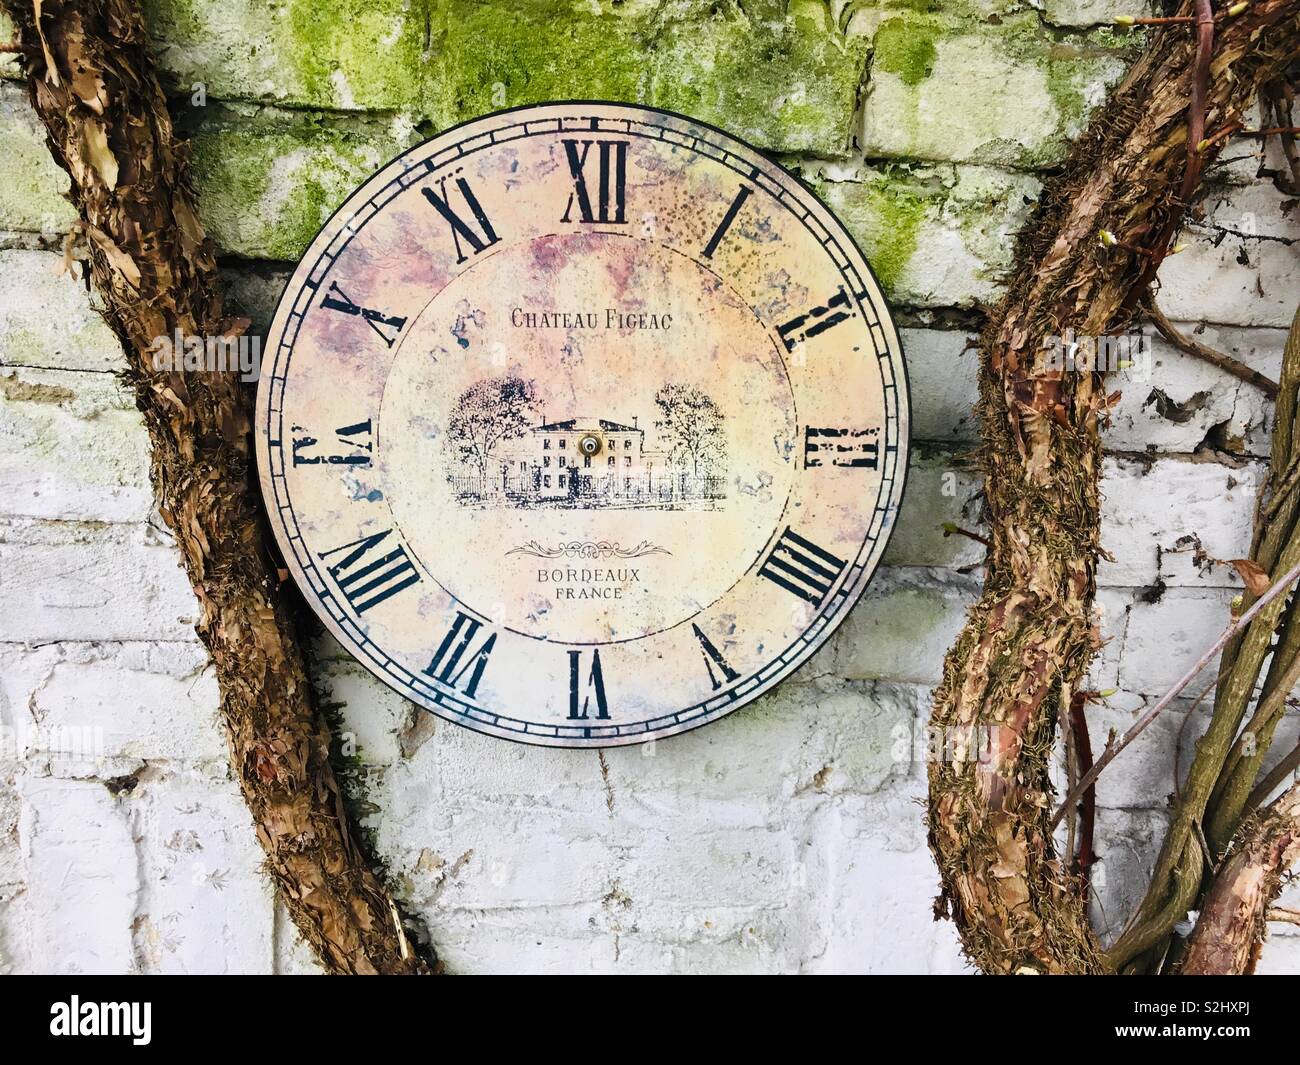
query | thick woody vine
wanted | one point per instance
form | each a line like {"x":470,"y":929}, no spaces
{"x":1085,"y":263}
{"x":93,"y":85}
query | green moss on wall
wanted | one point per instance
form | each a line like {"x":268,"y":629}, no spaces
{"x":906,"y":47}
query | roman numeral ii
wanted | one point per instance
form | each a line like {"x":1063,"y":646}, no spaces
{"x":816,"y":321}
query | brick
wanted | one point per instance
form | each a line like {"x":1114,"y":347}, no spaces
{"x":91,"y":582}
{"x":1010,"y":94}
{"x":936,"y":236}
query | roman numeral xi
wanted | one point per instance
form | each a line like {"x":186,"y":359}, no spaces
{"x":477,"y":239}
{"x":802,"y":568}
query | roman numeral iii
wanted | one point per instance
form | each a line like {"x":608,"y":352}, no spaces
{"x":611,"y":182}
{"x":802,"y":568}
{"x":850,"y":448}
{"x":386,"y":326}
{"x":816,"y":321}
{"x":580,"y":703}
{"x":445,"y":665}
{"x":355,"y":440}
{"x":484,"y":237}
{"x":367,"y":580}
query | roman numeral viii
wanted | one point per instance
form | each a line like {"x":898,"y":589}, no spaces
{"x":354,"y":441}
{"x":611,"y":182}
{"x":802,"y":568}
{"x":446,"y":663}
{"x":366,"y":576}
{"x":477,"y":239}
{"x":386,"y":326}
{"x":580,"y":703}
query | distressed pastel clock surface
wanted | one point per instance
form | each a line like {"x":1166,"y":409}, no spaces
{"x":582,"y":424}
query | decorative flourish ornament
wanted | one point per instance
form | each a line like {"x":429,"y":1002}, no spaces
{"x":551,"y":332}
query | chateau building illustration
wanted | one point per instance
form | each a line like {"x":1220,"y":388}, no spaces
{"x":545,"y":464}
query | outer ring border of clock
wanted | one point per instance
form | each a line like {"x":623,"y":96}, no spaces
{"x":469,"y":714}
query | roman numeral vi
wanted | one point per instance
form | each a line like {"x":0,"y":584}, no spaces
{"x":579,"y":703}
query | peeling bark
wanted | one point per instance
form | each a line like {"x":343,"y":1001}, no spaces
{"x":93,"y":85}
{"x":1231,"y":928}
{"x":1084,"y":262}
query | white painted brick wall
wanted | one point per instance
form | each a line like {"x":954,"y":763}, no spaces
{"x":787,"y":837}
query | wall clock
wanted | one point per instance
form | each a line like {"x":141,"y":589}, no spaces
{"x":582,"y":424}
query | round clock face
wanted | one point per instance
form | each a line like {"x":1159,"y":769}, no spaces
{"x":582,"y":424}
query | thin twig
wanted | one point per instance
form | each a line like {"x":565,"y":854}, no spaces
{"x":1140,"y":726}
{"x":1200,"y":87}
{"x":1195,"y":348}
{"x":1272,"y":779}
{"x":1088,"y":807}
{"x":950,"y":529}
{"x":1283,"y":915}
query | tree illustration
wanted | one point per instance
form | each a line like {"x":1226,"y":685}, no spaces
{"x":692,"y":427}
{"x":489,"y":411}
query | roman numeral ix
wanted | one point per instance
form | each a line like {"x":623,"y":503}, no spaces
{"x":802,"y":568}
{"x":357,"y":439}
{"x":365,"y":581}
